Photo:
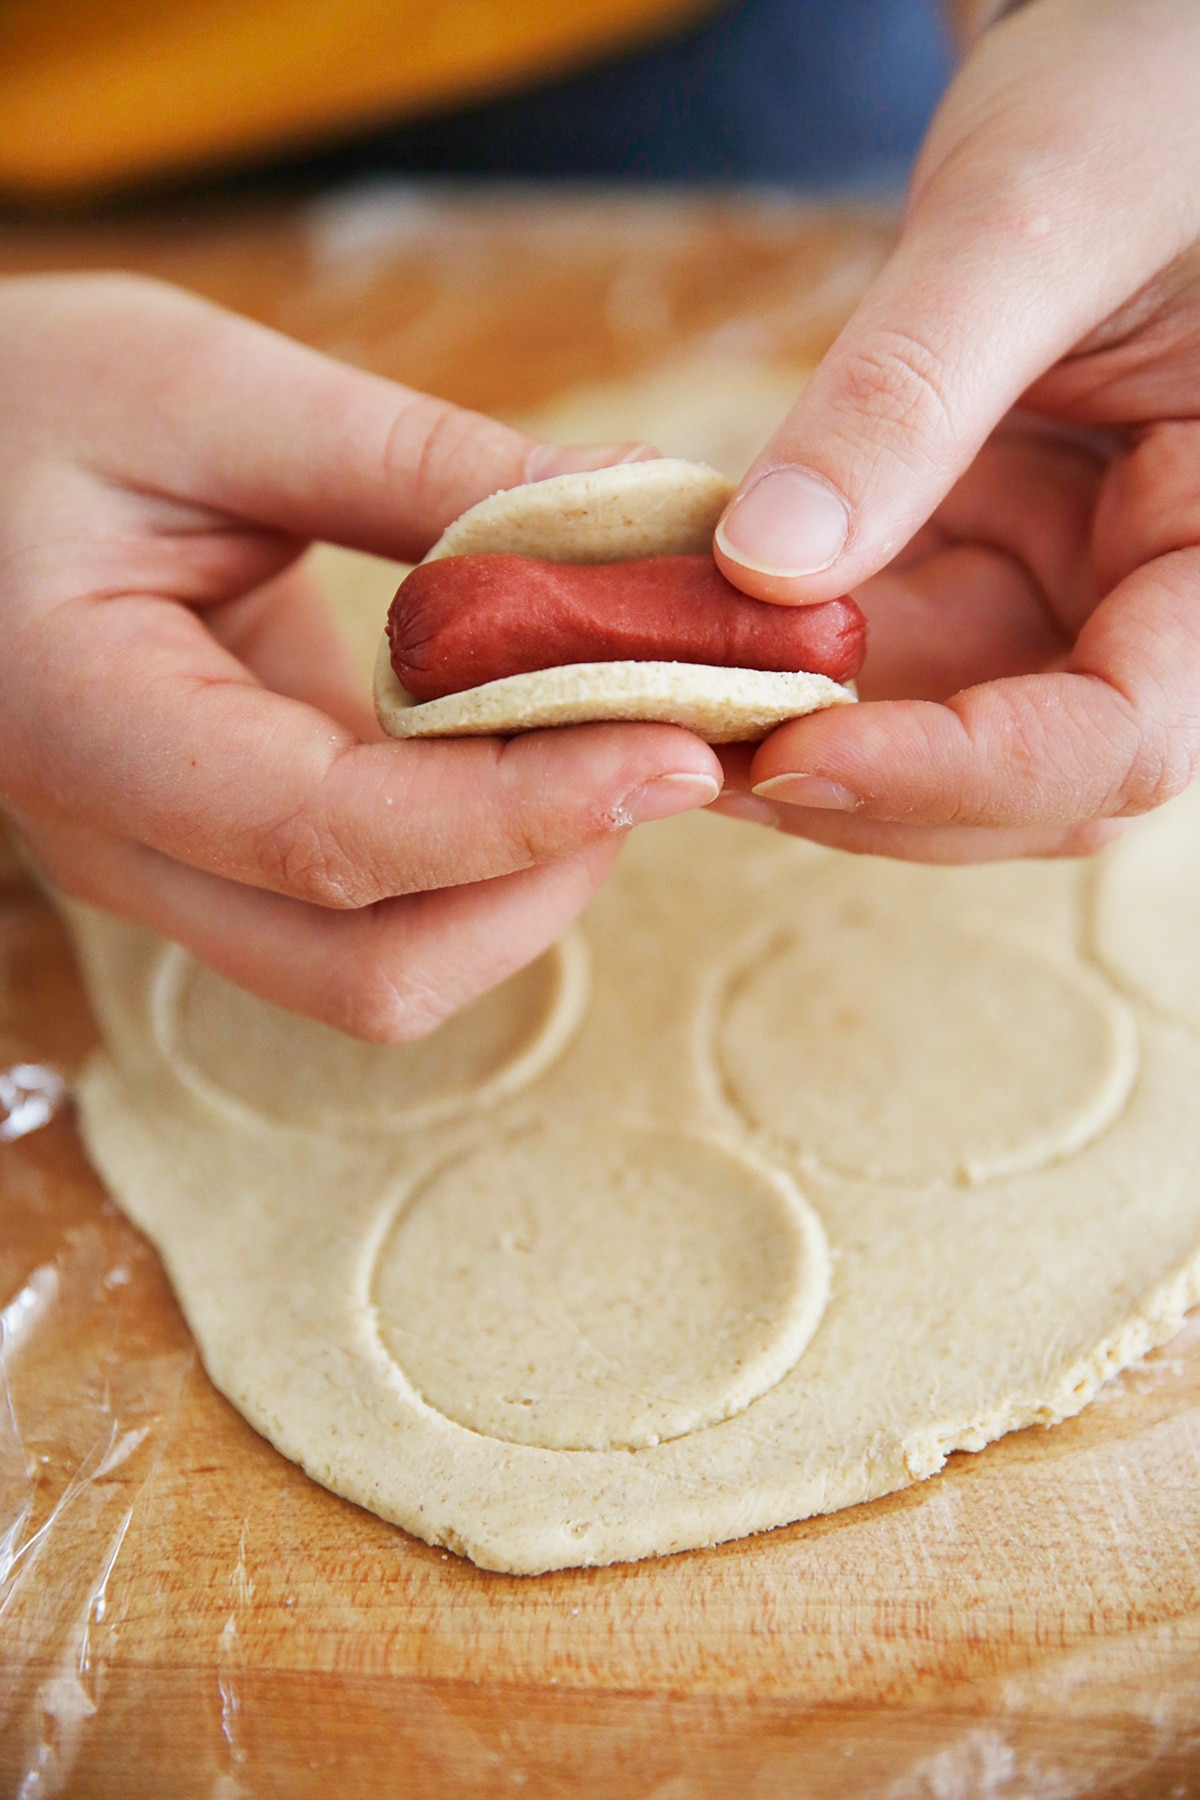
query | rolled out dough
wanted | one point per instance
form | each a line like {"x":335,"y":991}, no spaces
{"x":665,"y":508}
{"x":784,"y":1176}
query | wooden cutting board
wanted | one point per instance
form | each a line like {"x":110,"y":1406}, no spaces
{"x":183,"y":1613}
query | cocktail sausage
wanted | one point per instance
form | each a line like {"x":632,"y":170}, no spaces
{"x":463,"y":620}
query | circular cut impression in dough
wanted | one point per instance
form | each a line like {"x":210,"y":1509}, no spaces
{"x":255,"y":1060}
{"x":599,"y":1290}
{"x":480,"y":1332}
{"x":904,"y":1050}
{"x":1147,"y":908}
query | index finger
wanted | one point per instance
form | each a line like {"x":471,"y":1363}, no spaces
{"x":1027,"y":226}
{"x":165,"y":738}
{"x":180,"y":397}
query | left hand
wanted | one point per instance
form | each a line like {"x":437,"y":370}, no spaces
{"x":183,"y":741}
{"x":1034,"y":672}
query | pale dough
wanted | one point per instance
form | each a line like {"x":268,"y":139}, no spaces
{"x":665,"y":508}
{"x":723,"y":706}
{"x":786,"y":1175}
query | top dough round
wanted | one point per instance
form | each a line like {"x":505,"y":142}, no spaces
{"x":663,"y":508}
{"x":894,"y":1048}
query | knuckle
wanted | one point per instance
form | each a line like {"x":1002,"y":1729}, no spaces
{"x":531,"y":839}
{"x":1154,"y":750}
{"x":112,"y":293}
{"x":302,"y":857}
{"x":902,"y":383}
{"x":425,"y":448}
{"x":1105,"y":756}
{"x":541,"y":813}
{"x":378,"y":1007}
{"x":1156,"y":772}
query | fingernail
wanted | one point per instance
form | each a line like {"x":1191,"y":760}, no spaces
{"x":789,"y":523}
{"x":745,"y":806}
{"x":667,"y":795}
{"x":544,"y":460}
{"x":809,"y":790}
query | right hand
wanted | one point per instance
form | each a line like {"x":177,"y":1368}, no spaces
{"x":1031,"y":578}
{"x":182,"y":738}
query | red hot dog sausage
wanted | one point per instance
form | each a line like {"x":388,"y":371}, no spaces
{"x":464,"y":620}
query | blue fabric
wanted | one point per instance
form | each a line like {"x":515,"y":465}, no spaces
{"x":811,"y":93}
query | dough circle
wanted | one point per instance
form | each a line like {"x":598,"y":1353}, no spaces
{"x":1147,"y":909}
{"x":599,"y":1289}
{"x":668,"y":507}
{"x":917,"y":1050}
{"x":723,"y":706}
{"x":256,"y":1062}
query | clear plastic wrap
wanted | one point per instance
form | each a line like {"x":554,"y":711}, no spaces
{"x":182,"y":1612}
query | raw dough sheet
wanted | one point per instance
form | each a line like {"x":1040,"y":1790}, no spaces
{"x":787,"y":1174}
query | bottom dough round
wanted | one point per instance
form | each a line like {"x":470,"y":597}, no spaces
{"x":651,"y":1225}
{"x":599,"y":1290}
{"x":723,"y":706}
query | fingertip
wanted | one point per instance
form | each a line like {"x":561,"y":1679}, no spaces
{"x":787,"y":527}
{"x":678,"y":791}
{"x":750,"y":809}
{"x":824,"y":761}
{"x":545,"y":460}
{"x":798,"y":788}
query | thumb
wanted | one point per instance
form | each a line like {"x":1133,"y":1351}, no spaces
{"x":1041,"y":202}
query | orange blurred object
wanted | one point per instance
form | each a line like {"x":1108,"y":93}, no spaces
{"x":94,"y":94}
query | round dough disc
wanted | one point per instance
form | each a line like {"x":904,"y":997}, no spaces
{"x":874,"y":1043}
{"x":582,"y":1295}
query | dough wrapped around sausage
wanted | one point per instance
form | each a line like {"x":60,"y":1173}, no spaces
{"x":500,"y":645}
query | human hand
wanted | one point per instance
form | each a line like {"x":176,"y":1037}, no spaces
{"x":1033,"y":675}
{"x":182,"y":738}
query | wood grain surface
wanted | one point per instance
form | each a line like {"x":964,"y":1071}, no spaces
{"x":183,"y":1613}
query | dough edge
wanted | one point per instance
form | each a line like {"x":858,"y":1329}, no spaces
{"x":723,"y":706}
{"x":679,"y":1518}
{"x":684,"y":1524}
